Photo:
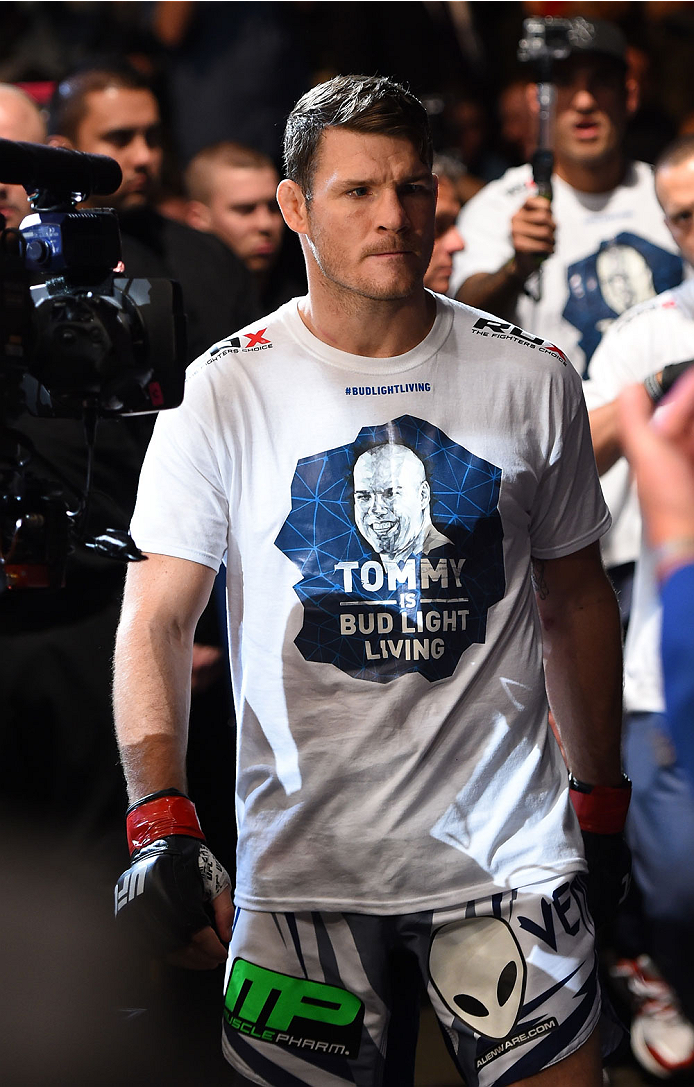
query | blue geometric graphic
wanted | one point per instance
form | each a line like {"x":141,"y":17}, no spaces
{"x":378,"y":618}
{"x":597,"y":298}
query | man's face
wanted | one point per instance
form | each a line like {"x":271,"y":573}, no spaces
{"x":391,"y":495}
{"x":674,"y":186}
{"x":18,"y":121}
{"x":448,"y":240}
{"x":591,"y":109}
{"x":244,"y":213}
{"x":370,"y":222}
{"x":124,"y":124}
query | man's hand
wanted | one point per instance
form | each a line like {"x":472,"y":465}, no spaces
{"x":532,"y":234}
{"x":175,"y":892}
{"x":660,"y":449}
{"x":208,"y":666}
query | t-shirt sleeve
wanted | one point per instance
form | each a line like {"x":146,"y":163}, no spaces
{"x":182,"y":506}
{"x":569,"y":511}
{"x":484,"y":224}
{"x":622,"y":358}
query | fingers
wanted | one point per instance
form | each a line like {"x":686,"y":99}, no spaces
{"x":204,"y":952}
{"x":223,"y":914}
{"x":533,"y":228}
{"x":675,"y":420}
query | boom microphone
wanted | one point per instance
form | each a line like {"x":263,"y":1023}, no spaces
{"x":23,"y":163}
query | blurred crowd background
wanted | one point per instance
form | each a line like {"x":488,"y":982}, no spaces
{"x":231,"y":71}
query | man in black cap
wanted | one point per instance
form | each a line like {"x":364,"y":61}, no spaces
{"x":573,"y":266}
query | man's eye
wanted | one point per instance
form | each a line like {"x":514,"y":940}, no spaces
{"x":682,"y":218}
{"x":361,"y":190}
{"x":120,"y":138}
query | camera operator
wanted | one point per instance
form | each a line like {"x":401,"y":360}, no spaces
{"x":56,"y":736}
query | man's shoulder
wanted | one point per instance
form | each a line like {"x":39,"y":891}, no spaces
{"x":510,"y":187}
{"x":506,"y":339}
{"x":263,"y":336}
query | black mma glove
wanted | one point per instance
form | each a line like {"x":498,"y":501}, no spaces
{"x":166,"y":892}
{"x":657,"y":387}
{"x":602,"y":812}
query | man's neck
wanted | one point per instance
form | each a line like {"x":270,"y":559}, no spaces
{"x":363,"y":326}
{"x":592,"y":177}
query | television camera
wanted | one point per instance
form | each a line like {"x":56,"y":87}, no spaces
{"x":79,"y":339}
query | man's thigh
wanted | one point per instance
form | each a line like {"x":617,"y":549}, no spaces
{"x":308,"y":998}
{"x":513,"y":979}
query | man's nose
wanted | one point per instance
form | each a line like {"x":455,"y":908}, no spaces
{"x":391,"y":212}
{"x":454,"y":241}
{"x":141,"y":153}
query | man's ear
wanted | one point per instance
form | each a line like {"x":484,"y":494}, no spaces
{"x":293,"y":206}
{"x":60,"y":141}
{"x":633,"y":96}
{"x":198,"y":216}
{"x":531,"y":99}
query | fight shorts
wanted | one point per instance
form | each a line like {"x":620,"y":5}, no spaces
{"x":314,"y":998}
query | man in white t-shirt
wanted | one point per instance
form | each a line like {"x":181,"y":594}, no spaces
{"x":568,"y":270}
{"x":649,"y":340}
{"x":401,"y":802}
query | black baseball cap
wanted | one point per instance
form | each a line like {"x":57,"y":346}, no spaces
{"x":597,"y":36}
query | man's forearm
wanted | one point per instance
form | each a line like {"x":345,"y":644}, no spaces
{"x":496,"y":292}
{"x":583,"y":669}
{"x":152,"y":675}
{"x":604,"y":433}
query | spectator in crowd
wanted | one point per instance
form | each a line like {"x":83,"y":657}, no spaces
{"x":232,"y":191}
{"x":20,"y":119}
{"x":447,"y":240}
{"x":113,"y":111}
{"x":571,"y":268}
{"x":656,"y":336}
{"x":660,"y":450}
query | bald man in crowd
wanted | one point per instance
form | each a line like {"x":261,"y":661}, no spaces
{"x":20,"y":119}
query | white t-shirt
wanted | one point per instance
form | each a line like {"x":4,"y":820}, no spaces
{"x":393,"y":752}
{"x":654,"y":334}
{"x":613,"y":251}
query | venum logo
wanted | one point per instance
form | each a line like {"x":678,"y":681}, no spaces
{"x":506,"y":329}
{"x":292,"y":1012}
{"x":398,"y":541}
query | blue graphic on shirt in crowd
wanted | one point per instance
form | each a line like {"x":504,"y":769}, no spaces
{"x":398,"y":540}
{"x":625,"y":270}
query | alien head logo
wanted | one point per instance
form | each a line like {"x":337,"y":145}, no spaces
{"x":477,"y":969}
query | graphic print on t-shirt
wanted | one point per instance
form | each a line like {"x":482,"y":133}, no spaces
{"x":625,"y":270}
{"x":398,"y":539}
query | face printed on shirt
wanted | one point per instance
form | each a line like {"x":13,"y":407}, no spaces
{"x":391,"y":500}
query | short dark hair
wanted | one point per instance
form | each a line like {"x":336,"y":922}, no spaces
{"x":197,"y":176}
{"x":68,"y":107}
{"x":373,"y":104}
{"x":677,"y":152}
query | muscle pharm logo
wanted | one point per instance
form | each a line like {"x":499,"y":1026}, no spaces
{"x":292,"y":1012}
{"x":398,"y":540}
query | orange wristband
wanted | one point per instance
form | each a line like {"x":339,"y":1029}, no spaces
{"x":601,"y":809}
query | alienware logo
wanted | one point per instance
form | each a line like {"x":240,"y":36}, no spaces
{"x":478,"y":970}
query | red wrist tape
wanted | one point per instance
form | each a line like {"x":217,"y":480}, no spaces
{"x":158,"y":818}
{"x":604,"y":809}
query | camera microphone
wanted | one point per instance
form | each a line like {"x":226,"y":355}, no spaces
{"x":23,"y":163}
